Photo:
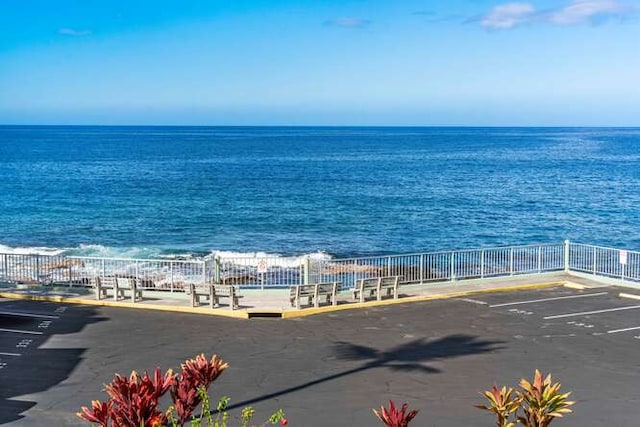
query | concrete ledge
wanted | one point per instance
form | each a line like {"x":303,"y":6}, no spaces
{"x":578,"y":286}
{"x":625,"y":295}
{"x":290,"y":314}
{"x":239,"y":314}
{"x":275,"y":313}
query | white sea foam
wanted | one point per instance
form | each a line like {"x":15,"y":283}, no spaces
{"x":135,"y":252}
{"x":31,"y":250}
{"x":273,"y":259}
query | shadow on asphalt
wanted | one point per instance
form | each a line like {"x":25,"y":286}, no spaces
{"x":39,"y":369}
{"x":412,"y":356}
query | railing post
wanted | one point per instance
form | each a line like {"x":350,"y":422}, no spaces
{"x":204,"y":274}
{"x":306,"y":270}
{"x":104,"y":273}
{"x":539,"y":259}
{"x":421,"y":268}
{"x":482,"y":263}
{"x":511,"y":261}
{"x":38,"y":269}
{"x":566,"y":256}
{"x":217,"y":268}
{"x":595,"y":254}
{"x":171,"y":275}
{"x":452,"y":272}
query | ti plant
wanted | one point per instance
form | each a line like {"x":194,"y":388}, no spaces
{"x":394,"y":417}
{"x":134,"y":400}
{"x":503,"y":402}
{"x":540,"y":402}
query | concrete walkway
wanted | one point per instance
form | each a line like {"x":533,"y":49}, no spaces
{"x":275,"y":302}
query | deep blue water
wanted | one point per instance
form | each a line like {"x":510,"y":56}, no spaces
{"x":347,"y":191}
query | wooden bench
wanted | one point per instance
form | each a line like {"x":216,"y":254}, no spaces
{"x":375,"y":287}
{"x":313,"y":292}
{"x":119,"y":285}
{"x":213,"y":292}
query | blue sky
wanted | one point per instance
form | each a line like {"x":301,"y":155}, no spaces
{"x":324,"y":62}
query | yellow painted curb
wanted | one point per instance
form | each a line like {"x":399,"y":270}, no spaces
{"x":632,"y":296}
{"x":572,"y":285}
{"x":238,"y":314}
{"x":286,"y":314}
{"x":331,"y":308}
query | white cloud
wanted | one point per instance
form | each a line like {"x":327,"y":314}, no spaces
{"x":347,"y":22}
{"x":508,"y":15}
{"x":580,"y":11}
{"x":73,"y":32}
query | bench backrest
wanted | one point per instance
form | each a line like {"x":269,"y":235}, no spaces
{"x":107,"y":281}
{"x":327,"y":288}
{"x":390,"y":281}
{"x":307,"y":290}
{"x":124,"y":282}
{"x":302,"y":290}
{"x":224,"y":290}
{"x":371,"y":283}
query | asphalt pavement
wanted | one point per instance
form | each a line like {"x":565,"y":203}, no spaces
{"x":331,"y":369}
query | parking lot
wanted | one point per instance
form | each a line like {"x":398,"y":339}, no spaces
{"x":331,"y":369}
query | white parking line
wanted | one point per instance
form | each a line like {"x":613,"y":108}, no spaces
{"x":9,"y":354}
{"x":597,"y":294}
{"x":474,"y":301}
{"x":615,"y":331}
{"x":18,"y":331}
{"x":586,"y":313}
{"x":22,"y":314}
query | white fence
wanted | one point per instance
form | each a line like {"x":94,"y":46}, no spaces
{"x":602,"y":261}
{"x":278,"y":272}
{"x":57,"y":269}
{"x":445,"y":266}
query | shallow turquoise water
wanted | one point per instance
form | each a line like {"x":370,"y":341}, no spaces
{"x":146,"y":191}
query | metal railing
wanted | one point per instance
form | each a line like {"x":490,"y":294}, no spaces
{"x":278,"y":272}
{"x":607,"y":262}
{"x":445,"y":266}
{"x":57,"y":269}
{"x":260,"y":272}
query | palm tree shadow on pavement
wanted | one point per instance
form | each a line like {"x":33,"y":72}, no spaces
{"x":41,"y":368}
{"x":412,"y":356}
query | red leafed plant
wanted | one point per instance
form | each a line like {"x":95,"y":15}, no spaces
{"x":393,"y":417}
{"x":133,"y":401}
{"x":203,"y":371}
{"x":197,"y":374}
{"x":100,"y":413}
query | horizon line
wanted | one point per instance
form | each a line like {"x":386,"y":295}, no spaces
{"x":6,"y":125}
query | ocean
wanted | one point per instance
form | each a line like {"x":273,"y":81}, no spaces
{"x":344,"y":191}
